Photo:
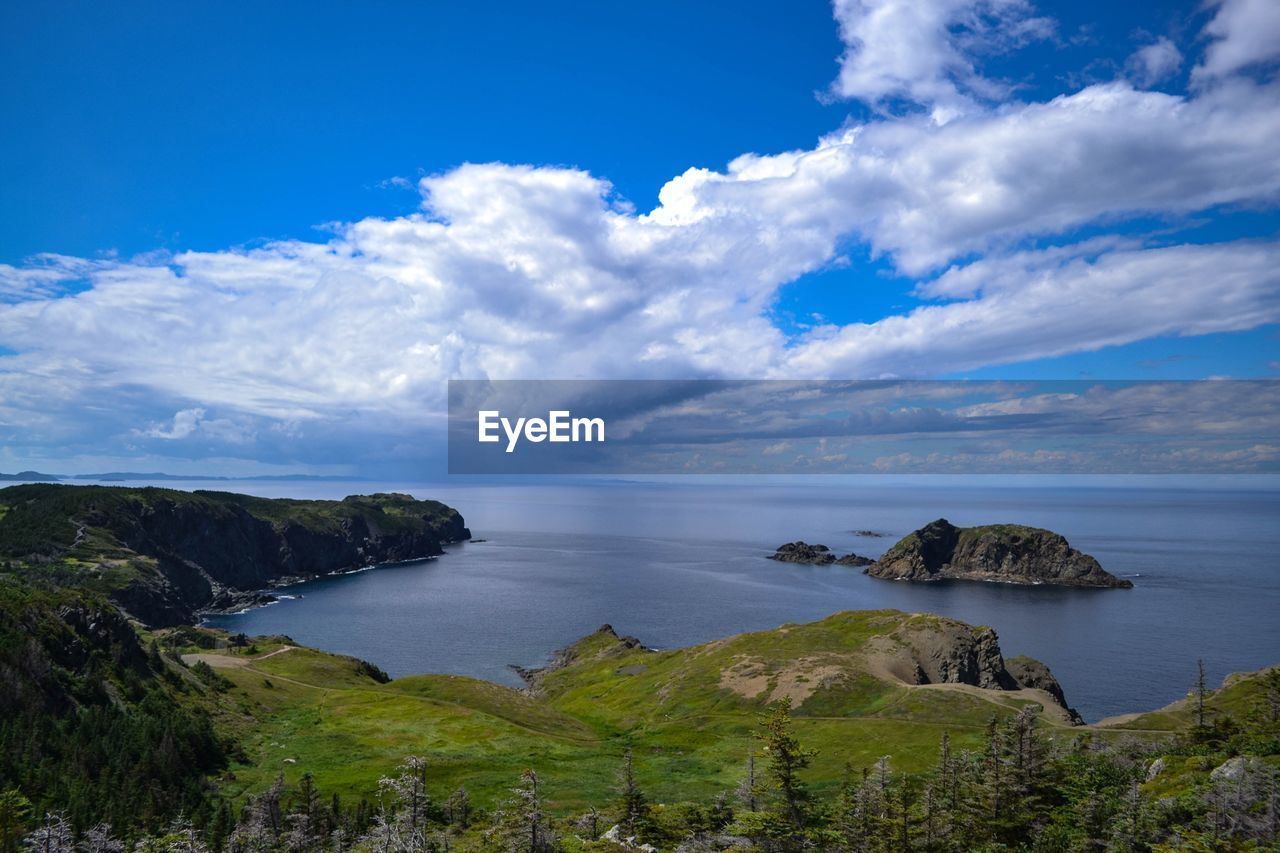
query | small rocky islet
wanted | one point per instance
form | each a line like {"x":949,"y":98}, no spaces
{"x":815,"y":555}
{"x":1000,"y":553}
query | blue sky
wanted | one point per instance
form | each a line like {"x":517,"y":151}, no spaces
{"x":246,"y":238}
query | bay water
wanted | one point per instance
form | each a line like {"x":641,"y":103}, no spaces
{"x":683,"y":563}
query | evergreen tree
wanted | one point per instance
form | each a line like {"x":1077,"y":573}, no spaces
{"x":1026,"y":755}
{"x":749,"y":787}
{"x":633,"y":807}
{"x":877,"y":822}
{"x":940,"y":801}
{"x":787,"y":758}
{"x":308,"y":823}
{"x":848,"y":824}
{"x":15,"y":819}
{"x":220,"y":827}
{"x":1200,"y":697}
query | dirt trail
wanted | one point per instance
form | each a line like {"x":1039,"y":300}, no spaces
{"x":231,"y":661}
{"x":1052,"y":711}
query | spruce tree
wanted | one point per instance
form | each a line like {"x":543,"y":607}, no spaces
{"x":633,"y":807}
{"x":787,"y":758}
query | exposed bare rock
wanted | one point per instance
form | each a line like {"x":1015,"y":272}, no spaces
{"x":1006,"y":553}
{"x":815,"y":555}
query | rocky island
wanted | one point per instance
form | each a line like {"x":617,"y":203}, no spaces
{"x":1005,"y":553}
{"x":815,"y":555}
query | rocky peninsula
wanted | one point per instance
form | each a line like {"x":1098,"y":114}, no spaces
{"x":164,"y":556}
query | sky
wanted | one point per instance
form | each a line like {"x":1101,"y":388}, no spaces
{"x":243,"y":239}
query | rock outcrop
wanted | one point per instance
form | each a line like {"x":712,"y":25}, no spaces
{"x":815,"y":555}
{"x":928,"y":649}
{"x":934,"y":650}
{"x":1007,"y":553}
{"x":1033,"y":674}
{"x":603,"y":643}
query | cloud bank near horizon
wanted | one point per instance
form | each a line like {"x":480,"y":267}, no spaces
{"x":1026,"y":225}
{"x":870,"y":427}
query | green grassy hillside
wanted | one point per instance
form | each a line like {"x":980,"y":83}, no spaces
{"x":105,"y":719}
{"x":689,"y":718}
{"x":689,"y":714}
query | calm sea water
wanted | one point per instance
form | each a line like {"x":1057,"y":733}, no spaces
{"x":682,"y":564}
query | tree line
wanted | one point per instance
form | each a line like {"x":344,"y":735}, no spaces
{"x":1021,"y":790}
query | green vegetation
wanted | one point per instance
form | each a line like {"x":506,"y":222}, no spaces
{"x":164,"y":555}
{"x":823,"y":736}
{"x":45,"y":523}
{"x":775,"y":740}
{"x":91,"y":723}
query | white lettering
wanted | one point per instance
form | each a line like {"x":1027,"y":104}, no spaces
{"x":559,"y":426}
{"x":513,"y":435}
{"x":487,"y":424}
{"x":587,"y":425}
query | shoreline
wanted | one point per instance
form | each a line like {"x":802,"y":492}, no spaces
{"x":269,"y":591}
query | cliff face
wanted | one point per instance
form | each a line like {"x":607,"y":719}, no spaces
{"x":933,"y":650}
{"x":1031,"y":673}
{"x":164,"y":555}
{"x":1008,"y":553}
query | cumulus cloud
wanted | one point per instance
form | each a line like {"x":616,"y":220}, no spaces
{"x":184,"y":424}
{"x":190,"y":422}
{"x":1041,"y":304}
{"x":529,"y":271}
{"x":1246,"y":35}
{"x":925,"y":194}
{"x":924,"y":52}
{"x":1154,"y":63}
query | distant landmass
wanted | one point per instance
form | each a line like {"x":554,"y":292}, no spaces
{"x":135,"y":476}
{"x":141,"y":476}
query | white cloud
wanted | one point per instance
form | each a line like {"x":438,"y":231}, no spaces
{"x":924,"y":51}
{"x":189,"y":422}
{"x":1043,"y":304}
{"x":519,"y":271}
{"x":1154,"y":63}
{"x":44,"y":276}
{"x":1246,"y":35}
{"x":184,"y":424}
{"x":926,"y":194}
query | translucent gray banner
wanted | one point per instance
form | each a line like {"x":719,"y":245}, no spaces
{"x":845,"y":427}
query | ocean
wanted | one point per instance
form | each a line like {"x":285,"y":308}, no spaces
{"x":682,"y":563}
